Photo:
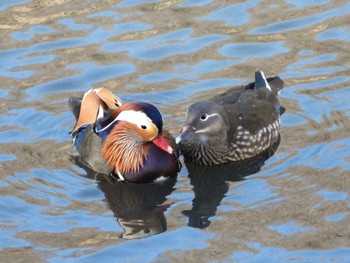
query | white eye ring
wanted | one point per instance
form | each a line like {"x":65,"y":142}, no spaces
{"x":204,"y":117}
{"x":143,"y":127}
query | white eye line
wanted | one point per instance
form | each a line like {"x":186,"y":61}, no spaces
{"x":207,"y":128}
{"x":208,"y":116}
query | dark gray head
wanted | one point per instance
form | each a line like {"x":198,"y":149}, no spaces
{"x":204,"y":120}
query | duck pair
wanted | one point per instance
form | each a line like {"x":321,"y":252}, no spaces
{"x":128,"y":140}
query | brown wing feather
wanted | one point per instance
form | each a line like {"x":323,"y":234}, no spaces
{"x":111,"y":101}
{"x":88,"y":109}
{"x":90,"y":105}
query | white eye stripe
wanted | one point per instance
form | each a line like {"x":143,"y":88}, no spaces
{"x":207,"y":116}
{"x":204,"y":130}
{"x":136,"y":117}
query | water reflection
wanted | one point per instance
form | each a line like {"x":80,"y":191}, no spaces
{"x":169,"y":44}
{"x":301,"y":22}
{"x":138,"y":208}
{"x":210,"y":184}
{"x":173,"y":53}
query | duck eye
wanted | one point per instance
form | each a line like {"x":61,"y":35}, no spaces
{"x":204,"y":116}
{"x":144,"y":127}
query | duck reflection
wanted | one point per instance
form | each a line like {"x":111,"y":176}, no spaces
{"x":210,"y":184}
{"x":138,"y":208}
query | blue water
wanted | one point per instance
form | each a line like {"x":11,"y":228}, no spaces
{"x":292,"y":205}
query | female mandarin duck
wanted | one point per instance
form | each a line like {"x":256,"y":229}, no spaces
{"x":125,"y":139}
{"x":236,"y":125}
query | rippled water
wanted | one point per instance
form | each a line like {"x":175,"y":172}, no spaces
{"x":293,"y":206}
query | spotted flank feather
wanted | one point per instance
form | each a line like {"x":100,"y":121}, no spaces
{"x":244,"y":121}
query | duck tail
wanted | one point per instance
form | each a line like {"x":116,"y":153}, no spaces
{"x":274,"y":84}
{"x":260,"y":81}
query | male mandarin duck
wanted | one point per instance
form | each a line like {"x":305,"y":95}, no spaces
{"x":125,"y":139}
{"x":235,"y":125}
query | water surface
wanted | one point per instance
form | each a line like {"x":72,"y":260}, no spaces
{"x":290,"y":204}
